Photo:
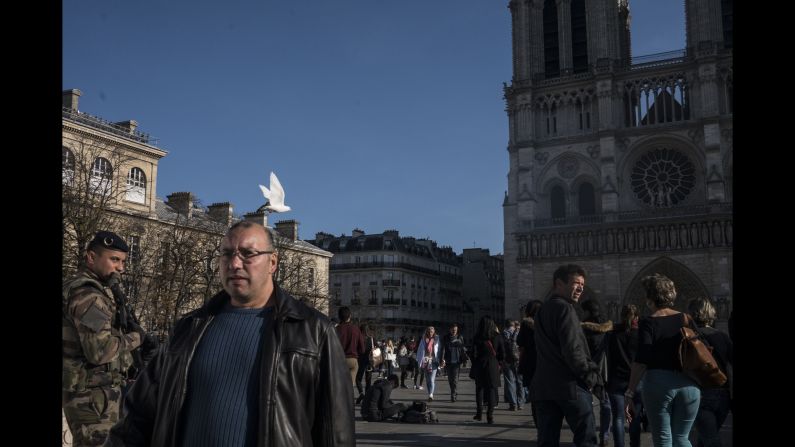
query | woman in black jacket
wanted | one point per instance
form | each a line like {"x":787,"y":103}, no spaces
{"x":714,"y":406}
{"x":527,"y":349}
{"x":365,"y":370}
{"x":670,"y":396}
{"x":488,"y":353}
{"x":596,"y":327}
{"x":621,"y":348}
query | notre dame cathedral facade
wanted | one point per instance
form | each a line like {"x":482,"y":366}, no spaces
{"x":619,"y":163}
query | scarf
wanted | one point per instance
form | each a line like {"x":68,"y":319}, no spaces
{"x":429,"y":347}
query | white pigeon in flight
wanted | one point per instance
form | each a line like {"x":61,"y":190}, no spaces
{"x":275,"y":196}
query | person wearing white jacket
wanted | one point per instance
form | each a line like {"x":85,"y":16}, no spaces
{"x":428,"y":358}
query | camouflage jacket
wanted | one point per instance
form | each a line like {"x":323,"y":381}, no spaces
{"x":95,"y":351}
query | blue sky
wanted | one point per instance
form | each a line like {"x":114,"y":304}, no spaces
{"x":374,"y":114}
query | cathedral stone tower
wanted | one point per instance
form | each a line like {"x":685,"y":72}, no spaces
{"x":621,"y":163}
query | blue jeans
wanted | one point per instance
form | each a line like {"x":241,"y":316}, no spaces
{"x":578,"y":414}
{"x":671,"y":400}
{"x":430,"y":380}
{"x":604,"y":417}
{"x":521,"y":393}
{"x":512,"y":386}
{"x":712,"y":413}
{"x":617,"y":404}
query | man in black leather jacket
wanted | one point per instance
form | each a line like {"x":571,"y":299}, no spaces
{"x":252,"y":367}
{"x":565,"y":374}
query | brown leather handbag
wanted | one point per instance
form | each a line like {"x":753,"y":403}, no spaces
{"x":697,"y":360}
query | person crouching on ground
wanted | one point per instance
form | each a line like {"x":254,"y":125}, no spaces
{"x":377,"y":405}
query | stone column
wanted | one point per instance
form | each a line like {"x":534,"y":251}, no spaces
{"x":527,"y":198}
{"x":607,"y":144}
{"x":564,"y":36}
{"x":536,"y":37}
{"x":521,"y":37}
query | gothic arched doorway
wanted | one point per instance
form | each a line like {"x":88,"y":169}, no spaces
{"x":688,"y":285}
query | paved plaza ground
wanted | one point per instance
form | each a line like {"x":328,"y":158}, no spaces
{"x":457,"y":429}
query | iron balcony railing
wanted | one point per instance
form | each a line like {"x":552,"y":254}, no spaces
{"x":368,"y":265}
{"x":107,"y":126}
{"x":634,"y":63}
{"x":658,"y":59}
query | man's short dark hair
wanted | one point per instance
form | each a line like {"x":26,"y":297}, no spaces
{"x":394,"y":379}
{"x":344,"y":314}
{"x":564,"y":272}
{"x":245,"y":224}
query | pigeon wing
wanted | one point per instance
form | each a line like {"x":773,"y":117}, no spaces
{"x":265,"y":192}
{"x":277,"y":192}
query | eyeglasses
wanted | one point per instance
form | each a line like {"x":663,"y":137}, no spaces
{"x":247,"y":256}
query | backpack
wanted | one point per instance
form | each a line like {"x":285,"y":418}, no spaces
{"x":413,"y":416}
{"x":512,"y":347}
{"x":419,"y":406}
{"x":696,"y":359}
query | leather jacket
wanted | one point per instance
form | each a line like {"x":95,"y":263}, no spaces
{"x":306,"y":393}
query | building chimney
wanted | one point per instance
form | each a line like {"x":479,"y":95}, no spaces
{"x":129,"y":125}
{"x":70,"y":98}
{"x":221,"y":212}
{"x":182,"y":202}
{"x":357,"y":232}
{"x":288,"y":229}
{"x":259,"y":216}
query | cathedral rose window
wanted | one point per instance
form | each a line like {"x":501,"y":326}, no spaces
{"x":663,"y":178}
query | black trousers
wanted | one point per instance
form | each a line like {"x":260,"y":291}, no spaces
{"x":387,"y":412}
{"x":363,"y":372}
{"x":452,"y":377}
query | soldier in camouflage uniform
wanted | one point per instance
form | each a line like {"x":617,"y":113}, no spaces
{"x":96,"y":353}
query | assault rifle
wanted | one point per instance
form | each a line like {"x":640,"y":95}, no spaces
{"x":128,"y":322}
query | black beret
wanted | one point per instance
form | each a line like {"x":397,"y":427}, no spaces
{"x":109,"y":240}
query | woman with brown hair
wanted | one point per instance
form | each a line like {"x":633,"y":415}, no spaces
{"x":670,"y":396}
{"x":714,"y":407}
{"x":365,"y":370}
{"x":527,"y":350}
{"x":488,"y":352}
{"x":428,"y":358}
{"x":622,"y":345}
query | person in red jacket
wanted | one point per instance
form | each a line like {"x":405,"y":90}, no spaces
{"x":352,"y":341}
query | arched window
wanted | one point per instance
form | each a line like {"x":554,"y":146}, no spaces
{"x":67,"y":166}
{"x":557,"y":198}
{"x":551,"y":52}
{"x":587,"y":200}
{"x":101,"y":175}
{"x":136,"y":186}
{"x":579,"y":36}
